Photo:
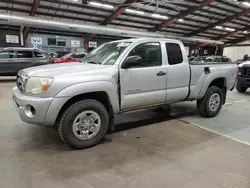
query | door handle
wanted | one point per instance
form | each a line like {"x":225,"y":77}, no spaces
{"x":207,"y":70}
{"x":161,"y":73}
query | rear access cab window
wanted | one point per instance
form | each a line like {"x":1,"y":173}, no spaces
{"x":174,"y":53}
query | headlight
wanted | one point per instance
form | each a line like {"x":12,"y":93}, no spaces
{"x":239,"y":70}
{"x":38,"y":85}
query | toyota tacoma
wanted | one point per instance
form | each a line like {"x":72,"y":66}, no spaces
{"x":81,"y":99}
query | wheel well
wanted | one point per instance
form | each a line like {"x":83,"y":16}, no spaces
{"x":100,"y":96}
{"x":219,"y":82}
{"x":222,"y":84}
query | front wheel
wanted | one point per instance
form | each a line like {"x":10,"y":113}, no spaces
{"x":210,"y":105}
{"x":84,"y":124}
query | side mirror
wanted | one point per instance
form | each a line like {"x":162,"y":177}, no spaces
{"x":131,"y":61}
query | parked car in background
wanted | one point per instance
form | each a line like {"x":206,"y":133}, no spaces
{"x":72,"y":57}
{"x":15,"y":59}
{"x":81,"y":99}
{"x":58,"y":54}
{"x":211,"y":59}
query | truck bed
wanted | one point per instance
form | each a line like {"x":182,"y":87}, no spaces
{"x":203,"y":73}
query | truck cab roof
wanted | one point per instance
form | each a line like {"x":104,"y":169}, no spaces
{"x":133,"y":40}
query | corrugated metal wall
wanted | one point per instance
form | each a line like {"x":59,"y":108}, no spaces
{"x":236,"y":52}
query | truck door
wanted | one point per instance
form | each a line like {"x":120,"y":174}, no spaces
{"x":178,"y":76}
{"x":144,"y":84}
{"x":6,"y":62}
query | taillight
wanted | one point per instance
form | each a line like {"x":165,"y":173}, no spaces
{"x":52,"y":59}
{"x":239,"y":70}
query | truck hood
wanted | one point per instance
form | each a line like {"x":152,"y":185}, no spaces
{"x":69,"y":69}
{"x":245,"y":63}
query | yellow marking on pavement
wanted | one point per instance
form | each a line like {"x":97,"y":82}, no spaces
{"x":224,"y":135}
{"x":235,"y":102}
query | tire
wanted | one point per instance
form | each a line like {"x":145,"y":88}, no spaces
{"x":240,"y":88}
{"x":203,"y":104}
{"x":69,"y":118}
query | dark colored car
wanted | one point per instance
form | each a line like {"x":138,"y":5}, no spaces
{"x":211,"y":59}
{"x":13,"y":60}
{"x":69,"y":58}
{"x":58,"y":54}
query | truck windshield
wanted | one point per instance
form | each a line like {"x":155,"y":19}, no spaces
{"x":106,"y":54}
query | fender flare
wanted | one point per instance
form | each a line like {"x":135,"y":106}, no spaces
{"x":209,"y":80}
{"x":96,"y":86}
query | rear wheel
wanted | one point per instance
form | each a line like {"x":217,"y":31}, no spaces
{"x":84,"y":124}
{"x":240,"y":88}
{"x":210,"y":105}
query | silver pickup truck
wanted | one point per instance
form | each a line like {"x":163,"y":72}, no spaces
{"x":81,"y":99}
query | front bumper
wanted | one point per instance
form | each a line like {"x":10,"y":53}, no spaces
{"x":23,"y":103}
{"x":46,"y":109}
{"x":243,"y":81}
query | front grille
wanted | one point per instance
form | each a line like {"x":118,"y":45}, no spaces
{"x":246,"y":71}
{"x":21,"y":81}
